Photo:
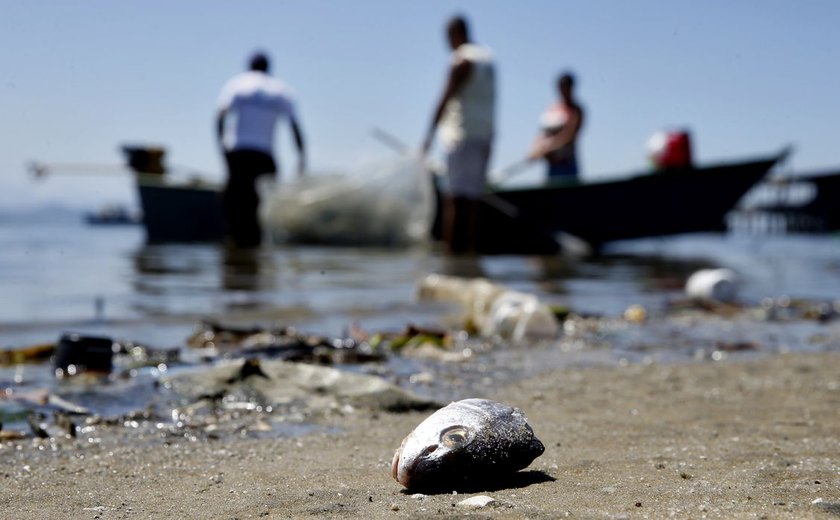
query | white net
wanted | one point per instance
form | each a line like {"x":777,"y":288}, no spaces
{"x":388,"y":204}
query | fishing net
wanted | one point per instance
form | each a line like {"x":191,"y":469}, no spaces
{"x":386,"y":204}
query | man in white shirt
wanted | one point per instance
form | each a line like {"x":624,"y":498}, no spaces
{"x":250,"y":105}
{"x":464,"y":118}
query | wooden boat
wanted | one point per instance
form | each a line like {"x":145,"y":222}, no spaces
{"x":649,"y":204}
{"x":175,"y":211}
{"x":514,"y":220}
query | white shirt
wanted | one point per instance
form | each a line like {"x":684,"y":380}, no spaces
{"x":257,"y":100}
{"x":470,"y":113}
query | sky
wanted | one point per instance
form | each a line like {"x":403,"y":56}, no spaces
{"x":80,"y":79}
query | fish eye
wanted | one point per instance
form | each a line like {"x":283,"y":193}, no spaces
{"x":454,"y":437}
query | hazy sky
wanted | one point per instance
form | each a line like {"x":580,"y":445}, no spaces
{"x":78,"y":79}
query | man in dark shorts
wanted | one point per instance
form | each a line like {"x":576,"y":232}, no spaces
{"x":257,"y":101}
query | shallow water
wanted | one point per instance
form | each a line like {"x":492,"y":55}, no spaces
{"x":58,"y":274}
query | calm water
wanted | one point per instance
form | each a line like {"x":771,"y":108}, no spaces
{"x":58,"y":274}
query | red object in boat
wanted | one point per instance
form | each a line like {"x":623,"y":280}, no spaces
{"x":675,"y":151}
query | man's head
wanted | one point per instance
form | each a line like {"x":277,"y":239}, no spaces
{"x":259,"y":62}
{"x":565,"y":85}
{"x":457,"y":32}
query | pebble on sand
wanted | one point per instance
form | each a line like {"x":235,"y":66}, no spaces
{"x":476,"y":502}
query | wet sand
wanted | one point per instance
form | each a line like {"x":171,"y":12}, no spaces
{"x":733,"y":439}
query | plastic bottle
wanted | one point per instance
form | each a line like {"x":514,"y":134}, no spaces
{"x":713,"y":284}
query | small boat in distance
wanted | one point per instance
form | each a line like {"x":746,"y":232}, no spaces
{"x":112,"y":215}
{"x":804,"y":201}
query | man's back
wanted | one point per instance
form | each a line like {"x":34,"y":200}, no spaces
{"x":257,"y":100}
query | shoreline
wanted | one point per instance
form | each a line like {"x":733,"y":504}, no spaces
{"x":731,"y":439}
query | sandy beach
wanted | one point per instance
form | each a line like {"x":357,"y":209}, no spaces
{"x":733,"y":439}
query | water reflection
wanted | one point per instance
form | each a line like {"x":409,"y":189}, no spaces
{"x":465,"y":266}
{"x":201,"y":278}
{"x":552,"y":271}
{"x":248,"y":269}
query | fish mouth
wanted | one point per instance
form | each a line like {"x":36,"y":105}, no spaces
{"x":395,"y":466}
{"x":412,"y":470}
{"x":404,"y":476}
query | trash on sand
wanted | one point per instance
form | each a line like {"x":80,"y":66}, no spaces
{"x":466,"y":442}
{"x":785,"y":308}
{"x":141,"y":355}
{"x":76,"y":354}
{"x":475,"y":295}
{"x":520,"y":316}
{"x":212,"y":334}
{"x":713,"y":284}
{"x":28,"y":354}
{"x":11,"y":435}
{"x":635,"y":314}
{"x":432,"y":352}
{"x":413,"y":336}
{"x":736,"y":346}
{"x":43,"y":399}
{"x":491,"y":308}
{"x":284,"y":343}
{"x":281,"y":383}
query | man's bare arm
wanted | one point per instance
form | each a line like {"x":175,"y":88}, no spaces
{"x":220,"y":127}
{"x":546,"y":145}
{"x":301,"y":147}
{"x":458,"y":75}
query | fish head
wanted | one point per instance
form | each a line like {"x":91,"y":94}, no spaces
{"x":429,"y":450}
{"x":467,"y":440}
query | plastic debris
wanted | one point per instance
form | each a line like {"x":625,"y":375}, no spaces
{"x":28,"y":354}
{"x":713,"y":284}
{"x":76,"y":354}
{"x":491,"y":308}
{"x":520,"y":316}
{"x":635,"y":314}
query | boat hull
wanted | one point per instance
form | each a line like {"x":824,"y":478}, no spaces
{"x":181,"y":213}
{"x":516,"y":221}
{"x":821,"y":212}
{"x":654,"y":204}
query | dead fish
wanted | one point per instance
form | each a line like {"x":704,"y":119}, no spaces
{"x":466,"y":441}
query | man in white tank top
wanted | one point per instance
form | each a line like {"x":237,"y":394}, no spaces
{"x":464,"y":117}
{"x":257,"y":101}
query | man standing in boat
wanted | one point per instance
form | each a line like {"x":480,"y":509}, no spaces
{"x":561,"y":125}
{"x":464,"y":116}
{"x":257,"y":101}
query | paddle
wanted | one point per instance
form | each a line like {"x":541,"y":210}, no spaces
{"x":400,"y":147}
{"x":390,"y":141}
{"x":510,"y":171}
